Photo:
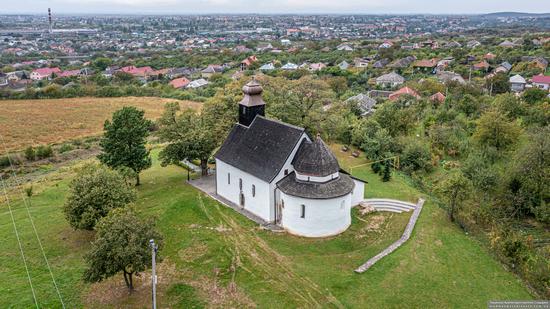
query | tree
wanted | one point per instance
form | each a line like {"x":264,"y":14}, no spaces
{"x":121,"y":245}
{"x":498,"y":83}
{"x":452,"y":190}
{"x":124,"y":140}
{"x":534,"y":95}
{"x":189,"y":136}
{"x":101,"y":63}
{"x":416,"y":156}
{"x":95,"y":191}
{"x":386,"y":174}
{"x":533,"y":173}
{"x":494,"y":130}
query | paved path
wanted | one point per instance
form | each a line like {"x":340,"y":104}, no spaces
{"x":207,"y":184}
{"x":406,"y":235}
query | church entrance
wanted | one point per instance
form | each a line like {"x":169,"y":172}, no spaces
{"x":241,"y":199}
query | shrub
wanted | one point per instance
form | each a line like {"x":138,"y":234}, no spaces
{"x":30,"y":153}
{"x":4,"y":161}
{"x":65,"y":148}
{"x":43,"y":152}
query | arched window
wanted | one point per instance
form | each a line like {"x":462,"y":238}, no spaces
{"x":240,"y":183}
{"x":303,"y":211}
{"x":228,"y":178}
{"x":253,"y":190}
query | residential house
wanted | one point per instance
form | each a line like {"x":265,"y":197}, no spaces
{"x":69,"y":73}
{"x":110,"y":71}
{"x":16,"y":76}
{"x":438,"y":97}
{"x":344,"y":47}
{"x":402,"y":63}
{"x":364,"y":103}
{"x":390,"y":80}
{"x":180,"y":83}
{"x":44,"y":73}
{"x":473,"y":44}
{"x":3,"y":79}
{"x":211,"y":70}
{"x":507,"y":44}
{"x":489,"y":56}
{"x":264,"y":47}
{"x":360,"y":63}
{"x":197,"y":83}
{"x":379,"y":94}
{"x":179,"y":72}
{"x":316,"y":66}
{"x":290,"y":67}
{"x":447,"y":76}
{"x":403,"y":91}
{"x":386,"y":44}
{"x":482,"y":66}
{"x":267,"y":67}
{"x":242,"y":49}
{"x":517,"y":83}
{"x":381,"y":63}
{"x":344,"y":65}
{"x":541,"y":81}
{"x":426,"y":65}
{"x":504,"y":67}
{"x":248,"y":62}
{"x":410,"y":46}
{"x":453,"y":44}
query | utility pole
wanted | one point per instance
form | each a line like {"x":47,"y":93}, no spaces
{"x":153,"y":275}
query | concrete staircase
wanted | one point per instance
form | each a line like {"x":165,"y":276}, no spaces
{"x":381,"y":204}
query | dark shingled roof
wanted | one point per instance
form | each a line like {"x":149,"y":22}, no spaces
{"x":315,"y":190}
{"x":261,"y":149}
{"x":315,"y":159}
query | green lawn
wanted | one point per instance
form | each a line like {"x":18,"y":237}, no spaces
{"x":216,"y":258}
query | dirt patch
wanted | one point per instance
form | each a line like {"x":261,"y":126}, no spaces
{"x":193,"y":252}
{"x":374,"y":224}
{"x":76,"y":239}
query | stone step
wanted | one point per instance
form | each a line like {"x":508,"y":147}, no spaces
{"x":391,"y":209}
{"x":393,"y":202}
{"x":404,"y":207}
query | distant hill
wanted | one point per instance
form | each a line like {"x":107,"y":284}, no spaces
{"x":515,"y":14}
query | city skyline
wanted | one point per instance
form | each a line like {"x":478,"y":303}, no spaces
{"x":272,"y":7}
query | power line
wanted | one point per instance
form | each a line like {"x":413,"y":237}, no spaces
{"x":25,"y":201}
{"x":18,"y":240}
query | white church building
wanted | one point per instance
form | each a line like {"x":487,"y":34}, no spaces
{"x":279,"y":173}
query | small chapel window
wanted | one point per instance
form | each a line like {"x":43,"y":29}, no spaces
{"x":240,"y":183}
{"x":303,"y":213}
{"x":228,"y":178}
{"x":286,"y":172}
{"x":253,"y":190}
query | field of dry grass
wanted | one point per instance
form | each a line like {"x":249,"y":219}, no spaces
{"x":35,"y":122}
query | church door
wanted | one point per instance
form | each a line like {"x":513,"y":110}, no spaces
{"x":279,"y":212}
{"x":241,"y":199}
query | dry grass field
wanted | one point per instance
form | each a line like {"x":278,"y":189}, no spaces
{"x":35,"y":122}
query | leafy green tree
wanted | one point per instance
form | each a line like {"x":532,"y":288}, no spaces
{"x":533,"y":173}
{"x":509,"y":105}
{"x":416,"y":157}
{"x":453,"y":190}
{"x":534,"y":95}
{"x":101,"y":63}
{"x":386,"y":174}
{"x":189,"y":136}
{"x":498,"y":84}
{"x":94,"y":192}
{"x":124,"y":139}
{"x":494,"y":130}
{"x":121,"y":245}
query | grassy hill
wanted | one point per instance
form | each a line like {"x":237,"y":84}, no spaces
{"x":216,"y":258}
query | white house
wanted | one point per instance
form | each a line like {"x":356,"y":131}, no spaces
{"x":390,"y":80}
{"x":277,"y":172}
{"x":290,"y":67}
{"x":517,"y":83}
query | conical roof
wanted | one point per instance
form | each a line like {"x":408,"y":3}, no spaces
{"x":315,"y":159}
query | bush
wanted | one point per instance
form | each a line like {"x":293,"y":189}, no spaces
{"x":30,"y":154}
{"x":4,"y":161}
{"x":65,"y":148}
{"x":416,"y":157}
{"x":94,"y":192}
{"x":43,"y":152}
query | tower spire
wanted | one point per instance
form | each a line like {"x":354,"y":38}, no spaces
{"x":252,"y":103}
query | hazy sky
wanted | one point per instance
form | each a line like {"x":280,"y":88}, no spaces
{"x":273,"y":6}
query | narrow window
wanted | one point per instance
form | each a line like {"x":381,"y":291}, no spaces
{"x":228,"y":178}
{"x":240,"y":183}
{"x":253,"y":190}
{"x":286,"y":172}
{"x":307,"y":178}
{"x":303,"y":214}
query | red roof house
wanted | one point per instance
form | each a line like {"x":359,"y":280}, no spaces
{"x":403,"y":91}
{"x":68,"y":73}
{"x":541,"y":81}
{"x":438,"y":97}
{"x":142,"y":71}
{"x":179,"y":83}
{"x":42,"y":73}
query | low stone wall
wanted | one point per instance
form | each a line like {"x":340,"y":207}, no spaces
{"x":406,"y":235}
